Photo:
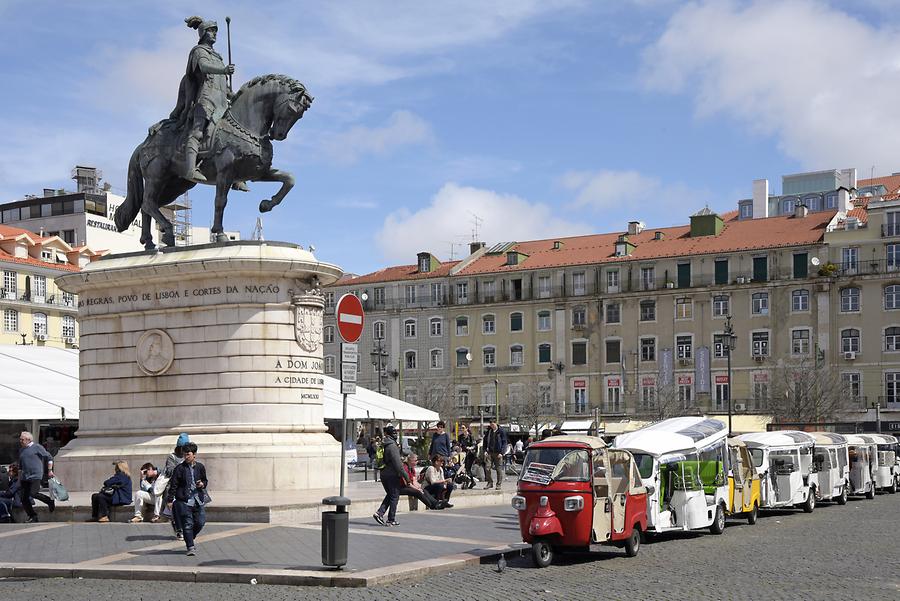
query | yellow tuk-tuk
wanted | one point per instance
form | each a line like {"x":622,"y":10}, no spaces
{"x":743,"y":482}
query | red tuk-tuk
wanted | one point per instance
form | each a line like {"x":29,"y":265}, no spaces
{"x":575,"y":492}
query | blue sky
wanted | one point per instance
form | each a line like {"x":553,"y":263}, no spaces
{"x":541,"y":117}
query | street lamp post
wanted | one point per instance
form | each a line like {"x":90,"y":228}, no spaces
{"x":378,"y":356}
{"x":729,"y":345}
{"x":877,"y":406}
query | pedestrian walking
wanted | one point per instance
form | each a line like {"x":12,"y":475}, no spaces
{"x":393,"y":477}
{"x":188,"y":496}
{"x":172,"y":461}
{"x":494,"y":444}
{"x":34,"y":462}
{"x":115,"y":491}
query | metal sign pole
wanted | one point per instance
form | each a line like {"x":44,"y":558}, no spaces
{"x":343,"y":444}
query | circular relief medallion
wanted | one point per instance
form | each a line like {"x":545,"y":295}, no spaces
{"x":155,"y":352}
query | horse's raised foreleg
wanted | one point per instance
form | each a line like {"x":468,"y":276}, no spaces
{"x":275,"y":175}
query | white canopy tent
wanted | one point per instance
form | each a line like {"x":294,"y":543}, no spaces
{"x":367,"y":404}
{"x":38,"y":383}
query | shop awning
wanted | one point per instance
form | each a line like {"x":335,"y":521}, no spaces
{"x":367,"y":404}
{"x":38,"y":383}
{"x":577,"y":426}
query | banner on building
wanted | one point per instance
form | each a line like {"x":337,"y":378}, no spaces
{"x":701,"y":369}
{"x":666,"y":367}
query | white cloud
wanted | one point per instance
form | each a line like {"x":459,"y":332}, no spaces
{"x":448,"y":218}
{"x":403,"y":128}
{"x":821,"y":81}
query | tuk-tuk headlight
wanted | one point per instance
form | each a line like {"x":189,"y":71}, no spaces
{"x":518,"y":503}
{"x":573,"y":503}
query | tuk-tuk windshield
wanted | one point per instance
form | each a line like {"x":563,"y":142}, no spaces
{"x":644,"y":464}
{"x":547,"y":464}
{"x":757,"y":456}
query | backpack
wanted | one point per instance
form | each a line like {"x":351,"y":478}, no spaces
{"x":379,"y":457}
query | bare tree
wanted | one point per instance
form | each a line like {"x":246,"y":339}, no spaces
{"x":807,"y":391}
{"x":668,"y":403}
{"x":439,"y":395}
{"x":532,"y":408}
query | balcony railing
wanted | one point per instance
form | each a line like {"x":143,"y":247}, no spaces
{"x":891,"y":401}
{"x":875,"y":267}
{"x":54,"y":300}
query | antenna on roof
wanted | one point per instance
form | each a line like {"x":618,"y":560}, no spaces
{"x":476,"y":224}
{"x":258,"y":230}
{"x":453,"y":246}
{"x":872,"y":172}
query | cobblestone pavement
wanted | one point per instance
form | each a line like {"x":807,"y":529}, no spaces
{"x":834,"y":553}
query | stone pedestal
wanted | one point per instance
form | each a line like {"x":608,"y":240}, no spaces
{"x":221,"y":341}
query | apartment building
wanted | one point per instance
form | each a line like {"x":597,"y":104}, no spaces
{"x":34,"y":310}
{"x":621,"y":324}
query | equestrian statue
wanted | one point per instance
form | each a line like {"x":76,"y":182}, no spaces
{"x":213,"y":137}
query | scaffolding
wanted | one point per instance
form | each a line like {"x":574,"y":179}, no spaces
{"x":181,"y":219}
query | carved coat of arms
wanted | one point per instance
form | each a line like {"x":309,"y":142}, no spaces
{"x":308,"y":327}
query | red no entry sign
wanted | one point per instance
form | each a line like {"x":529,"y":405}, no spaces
{"x":350,"y":317}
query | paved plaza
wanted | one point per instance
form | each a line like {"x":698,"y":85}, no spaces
{"x":833,"y":553}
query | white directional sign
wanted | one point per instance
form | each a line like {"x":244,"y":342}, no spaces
{"x":348,"y":387}
{"x":348,"y":372}
{"x":349,"y":353}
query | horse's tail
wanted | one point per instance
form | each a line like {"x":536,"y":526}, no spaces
{"x":134,"y":198}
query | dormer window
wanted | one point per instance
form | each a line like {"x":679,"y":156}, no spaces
{"x":557,"y":245}
{"x":512,"y":258}
{"x":424,"y":263}
{"x":623,"y":246}
{"x":47,"y":255}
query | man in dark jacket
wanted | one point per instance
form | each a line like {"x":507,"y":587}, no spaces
{"x":440,"y":442}
{"x":393,"y":477}
{"x":494,"y":444}
{"x":187,"y":489}
{"x":32,"y":458}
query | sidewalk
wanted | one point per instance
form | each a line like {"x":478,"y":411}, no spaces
{"x":424,"y":542}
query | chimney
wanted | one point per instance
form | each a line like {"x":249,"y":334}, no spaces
{"x":760,"y":198}
{"x":844,"y":204}
{"x":848,"y":178}
{"x":635,"y":227}
{"x":474,"y":247}
{"x":800,"y":210}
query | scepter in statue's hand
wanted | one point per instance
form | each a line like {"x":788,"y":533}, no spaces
{"x":228,"y":32}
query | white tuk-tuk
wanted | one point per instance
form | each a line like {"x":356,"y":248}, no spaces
{"x":831,"y":467}
{"x":784,"y":461}
{"x":863,"y":452}
{"x":683,"y":463}
{"x":888,"y":472}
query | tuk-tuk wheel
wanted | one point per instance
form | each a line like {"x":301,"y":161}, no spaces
{"x":893,"y":488}
{"x":870,"y":494}
{"x":845,"y":494}
{"x":753,"y":516}
{"x":542,"y":553}
{"x":633,"y":542}
{"x":718,"y":525}
{"x":810,"y":504}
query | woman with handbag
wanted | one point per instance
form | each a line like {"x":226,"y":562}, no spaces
{"x":115,"y":491}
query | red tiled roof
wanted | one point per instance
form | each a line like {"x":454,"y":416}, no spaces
{"x":12,"y":233}
{"x":891,"y":182}
{"x":8,"y":258}
{"x":400,"y":272}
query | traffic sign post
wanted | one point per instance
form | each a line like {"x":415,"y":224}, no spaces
{"x":335,"y":524}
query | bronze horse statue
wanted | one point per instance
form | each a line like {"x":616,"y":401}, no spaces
{"x":239,"y":149}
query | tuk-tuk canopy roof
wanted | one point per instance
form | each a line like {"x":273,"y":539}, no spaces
{"x":674,"y":435}
{"x":884,"y":438}
{"x":592,"y":442}
{"x":734,"y":441}
{"x":829,"y":438}
{"x":779,"y":438}
{"x":860,"y":439}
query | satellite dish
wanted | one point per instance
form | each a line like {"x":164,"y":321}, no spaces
{"x":815,"y":261}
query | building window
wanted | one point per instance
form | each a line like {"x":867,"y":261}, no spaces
{"x":648,"y":396}
{"x":760,"y":269}
{"x":462,"y":357}
{"x":800,"y":300}
{"x":686,"y":395}
{"x":849,"y":300}
{"x":721,"y":305}
{"x":801,"y":265}
{"x":544,"y":323}
{"x":612,"y":280}
{"x":684,"y":346}
{"x":722,"y":393}
{"x":684,"y":308}
{"x":648,"y":349}
{"x":720,"y":346}
{"x":329,"y":300}
{"x":436,"y":326}
{"x":462,"y":292}
{"x":516,"y":355}
{"x":892,"y":386}
{"x":746,"y":210}
{"x":411,"y":295}
{"x":760,"y":344}
{"x":850,"y":340}
{"x":378,"y":296}
{"x":462,"y":326}
{"x":892,"y":251}
{"x":514,"y":394}
{"x":800,"y":342}
{"x":852,"y":384}
{"x":579,"y":316}
{"x":892,"y":339}
{"x":378,"y":330}
{"x":544,"y":286}
{"x":613,"y":399}
{"x":648,"y":310}
{"x":578,"y":283}
{"x":10,"y":289}
{"x":40,"y":323}
{"x":579,"y":353}
{"x":787,"y":206}
{"x":437,"y":358}
{"x":462,"y":397}
{"x":488,"y":290}
{"x":613,"y":313}
{"x":437,"y":294}
{"x":329,"y":364}
{"x":544,"y":353}
{"x":490,"y":356}
{"x":328,"y":333}
{"x":411,"y":359}
{"x":409,"y":328}
{"x":648,"y":278}
{"x":892,"y":297}
{"x":760,"y":394}
{"x":580,"y":400}
{"x":488,"y":326}
{"x":10,"y":320}
{"x":849,"y":259}
{"x":39,"y":290}
{"x":544,"y":393}
{"x":68,"y":299}
{"x":721,"y":271}
{"x":411,"y":396}
{"x":684,"y":275}
{"x":760,"y":303}
{"x":515,"y":322}
{"x":488,"y":397}
{"x":613,"y":351}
